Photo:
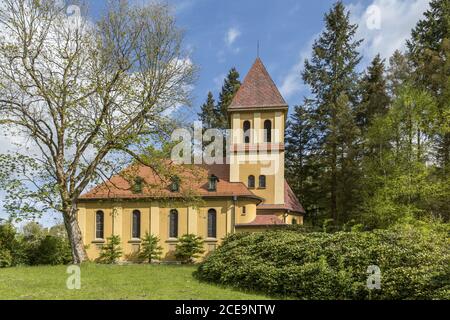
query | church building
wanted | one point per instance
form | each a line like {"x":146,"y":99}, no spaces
{"x":248,"y":193}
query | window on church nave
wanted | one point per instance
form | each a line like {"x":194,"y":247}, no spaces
{"x":136,"y":223}
{"x":212,"y":223}
{"x":173,"y":224}
{"x":247,"y":127}
{"x":99,"y":224}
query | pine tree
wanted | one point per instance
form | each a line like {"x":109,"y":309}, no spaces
{"x":111,"y":251}
{"x":429,"y":49}
{"x":189,"y":248}
{"x":302,"y":170}
{"x":150,"y":249}
{"x":375,"y":100}
{"x":348,"y":149}
{"x":208,"y":112}
{"x":229,"y":89}
{"x":332,"y":78}
{"x":398,"y":73}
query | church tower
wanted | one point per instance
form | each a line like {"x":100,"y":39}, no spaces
{"x":257,"y":117}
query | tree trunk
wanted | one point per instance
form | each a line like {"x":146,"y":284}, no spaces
{"x":334,"y":213}
{"x":79,"y":254}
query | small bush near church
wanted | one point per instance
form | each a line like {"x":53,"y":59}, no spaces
{"x":189,"y":248}
{"x":111,"y":251}
{"x":150,"y":248}
{"x":414,"y":261}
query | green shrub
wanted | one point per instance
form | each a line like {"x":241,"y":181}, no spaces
{"x":52,"y":250}
{"x":6,"y":259}
{"x":414,"y":263}
{"x":12,"y":247}
{"x":189,"y":248}
{"x":44,"y":248}
{"x":33,"y":246}
{"x":111,"y":251}
{"x":150,"y":248}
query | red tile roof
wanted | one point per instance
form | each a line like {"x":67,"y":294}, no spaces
{"x":264,"y":220}
{"x":290,"y":199}
{"x":291,"y":202}
{"x":257,"y":90}
{"x":193,"y":181}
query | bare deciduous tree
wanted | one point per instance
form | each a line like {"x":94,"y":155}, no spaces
{"x":76,"y":92}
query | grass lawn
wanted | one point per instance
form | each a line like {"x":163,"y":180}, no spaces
{"x":100,"y":282}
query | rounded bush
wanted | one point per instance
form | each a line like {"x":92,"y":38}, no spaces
{"x":414,"y":263}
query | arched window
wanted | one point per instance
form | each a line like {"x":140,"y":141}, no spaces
{"x":251,"y":181}
{"x":136,"y":223}
{"x":267,"y":131}
{"x":244,"y":210}
{"x":294,"y":221}
{"x":247,"y":127}
{"x":212,"y":223}
{"x":262,"y":182}
{"x":173,"y":224}
{"x":99,"y":225}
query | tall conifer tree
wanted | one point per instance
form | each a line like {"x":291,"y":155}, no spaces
{"x":302,"y":170}
{"x":429,"y":49}
{"x":208,"y":112}
{"x":375,"y":100}
{"x":332,"y":78}
{"x":229,"y":89}
{"x":398,"y":73}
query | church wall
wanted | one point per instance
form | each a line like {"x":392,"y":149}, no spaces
{"x":155,"y":220}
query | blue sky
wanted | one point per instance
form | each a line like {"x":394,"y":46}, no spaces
{"x":223,"y":34}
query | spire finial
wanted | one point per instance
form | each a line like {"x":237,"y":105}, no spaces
{"x":257,"y":49}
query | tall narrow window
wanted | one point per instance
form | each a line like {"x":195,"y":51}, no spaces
{"x":262,"y":182}
{"x":212,"y":223}
{"x":267,"y":131}
{"x":99,"y":225}
{"x":251,"y":181}
{"x":247,"y":126}
{"x":173,"y":224}
{"x":136,"y":234}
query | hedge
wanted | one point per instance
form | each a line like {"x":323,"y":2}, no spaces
{"x":414,"y":263}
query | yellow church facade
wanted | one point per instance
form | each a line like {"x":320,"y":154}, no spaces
{"x":246,"y":193}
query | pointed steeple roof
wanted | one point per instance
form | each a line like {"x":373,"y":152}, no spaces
{"x":258,"y":91}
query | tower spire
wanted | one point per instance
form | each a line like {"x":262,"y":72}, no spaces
{"x":257,"y":90}
{"x":257,"y":49}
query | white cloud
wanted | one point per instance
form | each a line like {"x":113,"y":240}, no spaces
{"x":232,"y":34}
{"x":293,"y":82}
{"x":218,"y":81}
{"x":386,"y":24}
{"x":396,"y":19}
